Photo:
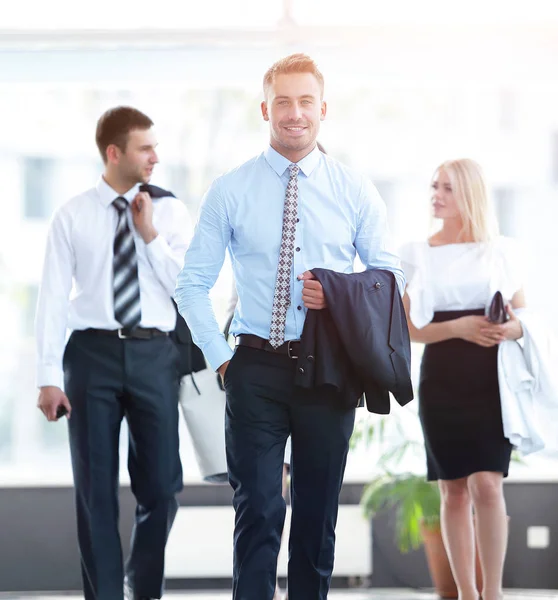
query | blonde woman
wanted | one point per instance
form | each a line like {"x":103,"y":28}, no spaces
{"x":451,"y":278}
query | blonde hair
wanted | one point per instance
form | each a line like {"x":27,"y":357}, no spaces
{"x":469,"y":188}
{"x":294,"y":63}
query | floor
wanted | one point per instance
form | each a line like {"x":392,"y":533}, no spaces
{"x":334,"y":595}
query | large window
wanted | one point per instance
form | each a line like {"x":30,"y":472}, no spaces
{"x":38,"y":173}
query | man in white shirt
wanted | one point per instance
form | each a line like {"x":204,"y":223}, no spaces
{"x":121,"y":251}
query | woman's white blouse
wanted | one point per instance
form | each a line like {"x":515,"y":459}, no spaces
{"x":459,"y":276}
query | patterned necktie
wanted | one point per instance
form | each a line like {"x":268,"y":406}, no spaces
{"x":282,"y":296}
{"x":127,"y":308}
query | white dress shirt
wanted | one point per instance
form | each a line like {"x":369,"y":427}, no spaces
{"x":76,"y":290}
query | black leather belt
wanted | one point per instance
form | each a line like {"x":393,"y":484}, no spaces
{"x":290,"y":348}
{"x":138,"y":333}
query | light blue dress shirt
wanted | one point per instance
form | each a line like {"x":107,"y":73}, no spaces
{"x":340,"y":213}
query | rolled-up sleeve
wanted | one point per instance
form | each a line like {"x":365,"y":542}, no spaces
{"x":202,"y":263}
{"x":373,"y":241}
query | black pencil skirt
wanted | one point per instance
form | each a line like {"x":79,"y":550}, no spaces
{"x":459,"y":407}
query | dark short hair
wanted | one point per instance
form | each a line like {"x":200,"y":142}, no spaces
{"x":115,"y":125}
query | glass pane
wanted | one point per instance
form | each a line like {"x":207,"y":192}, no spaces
{"x":37,"y":182}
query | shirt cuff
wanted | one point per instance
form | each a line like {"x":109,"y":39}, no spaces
{"x":401,"y":283}
{"x":50,"y":375}
{"x":217,"y":352}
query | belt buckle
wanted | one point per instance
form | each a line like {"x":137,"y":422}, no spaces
{"x":289,"y":346}
{"x":123,"y":335}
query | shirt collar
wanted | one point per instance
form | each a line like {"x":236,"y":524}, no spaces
{"x":280,"y":164}
{"x":107,"y":195}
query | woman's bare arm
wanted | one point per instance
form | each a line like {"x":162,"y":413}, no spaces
{"x":472,"y":328}
{"x":431,"y":333}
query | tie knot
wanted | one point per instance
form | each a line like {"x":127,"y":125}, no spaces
{"x":121,"y":204}
{"x":294,"y":169}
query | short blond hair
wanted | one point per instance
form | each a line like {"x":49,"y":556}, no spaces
{"x":469,"y":188}
{"x":294,"y":63}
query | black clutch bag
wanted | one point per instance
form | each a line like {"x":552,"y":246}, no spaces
{"x":496,"y":311}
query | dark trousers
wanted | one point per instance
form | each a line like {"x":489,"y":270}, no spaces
{"x":107,"y":378}
{"x":263,"y":408}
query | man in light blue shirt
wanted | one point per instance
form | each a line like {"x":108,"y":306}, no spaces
{"x":281,"y":214}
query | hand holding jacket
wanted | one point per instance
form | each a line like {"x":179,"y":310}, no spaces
{"x":360,"y":342}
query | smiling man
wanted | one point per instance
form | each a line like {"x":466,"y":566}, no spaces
{"x":121,"y":252}
{"x":289,"y":210}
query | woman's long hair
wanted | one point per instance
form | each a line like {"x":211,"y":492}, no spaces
{"x":470,"y":191}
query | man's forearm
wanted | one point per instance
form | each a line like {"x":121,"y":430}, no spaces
{"x":195,"y":306}
{"x":202,"y":265}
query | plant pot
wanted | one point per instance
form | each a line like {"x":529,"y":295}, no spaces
{"x":438,"y":562}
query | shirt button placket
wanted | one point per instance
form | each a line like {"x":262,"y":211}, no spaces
{"x":299,"y":269}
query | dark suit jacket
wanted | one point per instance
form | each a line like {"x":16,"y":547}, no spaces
{"x":360,"y":342}
{"x":191,"y":357}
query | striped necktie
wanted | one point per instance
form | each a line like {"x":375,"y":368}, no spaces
{"x":127,"y":307}
{"x":282,"y":296}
